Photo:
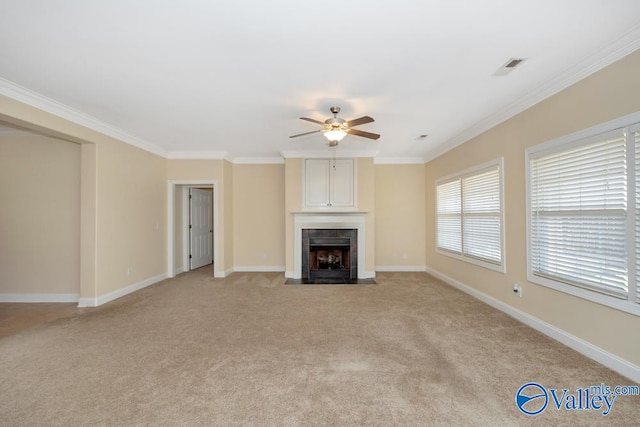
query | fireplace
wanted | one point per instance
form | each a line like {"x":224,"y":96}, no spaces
{"x":340,"y":221}
{"x":329,"y":255}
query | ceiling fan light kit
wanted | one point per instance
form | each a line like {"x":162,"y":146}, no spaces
{"x":335,"y":135}
{"x":336,"y":128}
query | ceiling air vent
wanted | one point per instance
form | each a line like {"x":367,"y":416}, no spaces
{"x":509,"y":66}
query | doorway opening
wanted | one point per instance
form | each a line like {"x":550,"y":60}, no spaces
{"x":192,"y":227}
{"x":198,"y":227}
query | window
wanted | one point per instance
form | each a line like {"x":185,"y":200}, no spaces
{"x":469,"y":216}
{"x":584,"y":214}
{"x":635,"y":131}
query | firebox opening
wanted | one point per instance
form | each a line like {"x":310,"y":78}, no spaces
{"x":329,"y":255}
{"x":332,"y":258}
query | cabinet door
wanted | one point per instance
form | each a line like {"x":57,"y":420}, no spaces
{"x":342,"y":180}
{"x":316,"y":183}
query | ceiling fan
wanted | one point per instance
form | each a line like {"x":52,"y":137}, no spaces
{"x":335,"y":128}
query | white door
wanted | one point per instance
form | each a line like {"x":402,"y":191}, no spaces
{"x":316,"y":183}
{"x":342,"y":183}
{"x":200,"y":227}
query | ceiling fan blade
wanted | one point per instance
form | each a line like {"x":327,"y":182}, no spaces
{"x":306,"y":133}
{"x":312,"y":120}
{"x":359,"y":121}
{"x":362,"y":133}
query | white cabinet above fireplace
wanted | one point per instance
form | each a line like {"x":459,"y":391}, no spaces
{"x":329,"y":184}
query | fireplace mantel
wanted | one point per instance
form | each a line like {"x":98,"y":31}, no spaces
{"x":329,"y":212}
{"x":328,"y":219}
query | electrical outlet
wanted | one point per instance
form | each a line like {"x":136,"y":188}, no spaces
{"x":517,"y":289}
{"x":129,"y":270}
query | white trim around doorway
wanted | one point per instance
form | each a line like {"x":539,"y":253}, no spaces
{"x":171,"y":228}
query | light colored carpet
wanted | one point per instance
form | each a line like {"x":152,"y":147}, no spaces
{"x":16,"y":317}
{"x":249,"y":350}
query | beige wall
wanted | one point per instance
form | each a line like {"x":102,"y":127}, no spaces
{"x":259,"y":215}
{"x":227,"y":221}
{"x":132,"y":206}
{"x":39,"y":215}
{"x":88,"y":220}
{"x":603,"y":96}
{"x":367,"y":203}
{"x":293,"y":203}
{"x":400,"y":203}
{"x":178,"y":246}
{"x":123,"y":197}
{"x":195,"y":170}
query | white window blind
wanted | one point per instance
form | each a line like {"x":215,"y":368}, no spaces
{"x":469,"y":215}
{"x":482,"y":234}
{"x":635,"y":135}
{"x":449,"y":221}
{"x":584,"y":214}
{"x":578,"y":202}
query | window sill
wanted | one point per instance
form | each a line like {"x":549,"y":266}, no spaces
{"x":500,"y":268}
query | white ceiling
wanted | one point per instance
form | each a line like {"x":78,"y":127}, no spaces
{"x":196,"y":78}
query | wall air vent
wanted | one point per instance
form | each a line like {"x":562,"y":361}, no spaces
{"x":509,"y":66}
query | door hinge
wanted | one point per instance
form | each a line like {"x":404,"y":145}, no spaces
{"x":190,"y":196}
{"x":190,"y":256}
{"x":190,"y":226}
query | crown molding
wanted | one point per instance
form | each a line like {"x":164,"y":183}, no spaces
{"x":398,"y":161}
{"x":258,"y":161}
{"x":607,"y":55}
{"x":197,"y":155}
{"x":323,"y":154}
{"x":9,"y":131}
{"x":41,"y":102}
{"x":223,"y":155}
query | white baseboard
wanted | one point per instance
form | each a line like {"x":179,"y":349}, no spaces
{"x":368,"y":275}
{"x":259,"y":269}
{"x":34,"y":298}
{"x":178,"y":271}
{"x":622,"y":366}
{"x":95,"y":302}
{"x":401,"y":268}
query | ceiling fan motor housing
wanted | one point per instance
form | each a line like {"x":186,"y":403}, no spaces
{"x":335,"y":122}
{"x":335,"y":128}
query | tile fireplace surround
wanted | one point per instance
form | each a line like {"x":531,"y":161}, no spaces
{"x":329,"y":255}
{"x":325,"y":220}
